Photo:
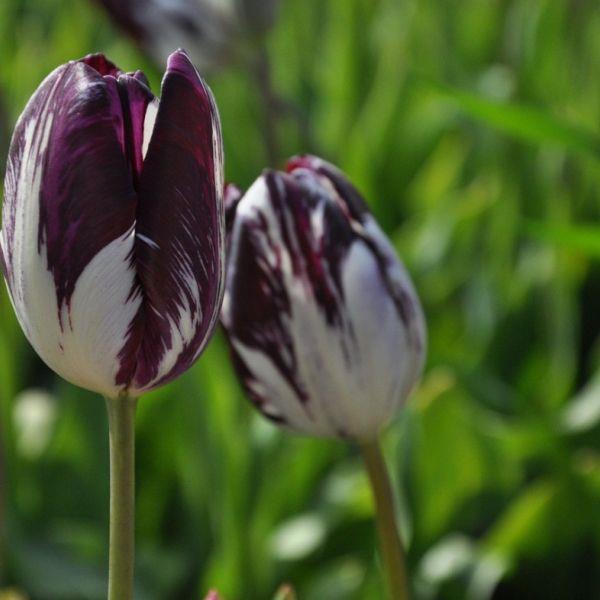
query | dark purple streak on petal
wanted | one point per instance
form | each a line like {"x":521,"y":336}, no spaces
{"x":231,"y":198}
{"x":180,"y":222}
{"x":34,"y":119}
{"x":357,"y":208}
{"x":86,"y":198}
{"x":259,"y":309}
{"x":294,"y":208}
{"x":354,"y":202}
{"x":135,"y":97}
{"x":259,"y":301}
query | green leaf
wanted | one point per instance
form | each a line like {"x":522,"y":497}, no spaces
{"x":457,"y":451}
{"x":522,"y":121}
{"x":534,"y":525}
{"x":583,"y":238}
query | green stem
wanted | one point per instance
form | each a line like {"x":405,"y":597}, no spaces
{"x":392,"y":553}
{"x":121,"y":421}
{"x":3,"y":512}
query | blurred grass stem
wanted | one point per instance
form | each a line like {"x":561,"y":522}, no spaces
{"x":271,"y":105}
{"x":121,"y":421}
{"x":276,"y":108}
{"x":392,"y":554}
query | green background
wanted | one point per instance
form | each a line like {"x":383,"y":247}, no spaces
{"x":472,"y":129}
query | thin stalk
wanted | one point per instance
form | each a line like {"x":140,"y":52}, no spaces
{"x":275,"y":107}
{"x":8,"y":458}
{"x":3,"y":512}
{"x":270,"y":104}
{"x":392,"y":553}
{"x":121,"y":421}
{"x":7,"y":455}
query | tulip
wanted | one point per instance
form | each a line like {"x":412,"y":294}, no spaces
{"x":325,"y":327}
{"x":113,"y":238}
{"x":212,"y":30}
{"x":326,"y":331}
{"x":113,"y":243}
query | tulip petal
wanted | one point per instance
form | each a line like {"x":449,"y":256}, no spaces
{"x":101,"y":64}
{"x":347,"y":193}
{"x":179,"y":249}
{"x":284,"y":298}
{"x":231,"y":198}
{"x":68,"y":219}
{"x":356,"y":210}
{"x":135,"y":98}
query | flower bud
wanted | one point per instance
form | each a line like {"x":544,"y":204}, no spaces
{"x":326,"y":331}
{"x":113,"y":223}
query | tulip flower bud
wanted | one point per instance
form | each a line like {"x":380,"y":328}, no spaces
{"x":326,"y":331}
{"x":113,"y":223}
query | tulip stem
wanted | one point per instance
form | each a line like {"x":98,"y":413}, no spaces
{"x":121,"y":421}
{"x":3,"y":512}
{"x":392,"y":553}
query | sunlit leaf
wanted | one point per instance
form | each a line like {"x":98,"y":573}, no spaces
{"x":581,"y":238}
{"x":522,"y":121}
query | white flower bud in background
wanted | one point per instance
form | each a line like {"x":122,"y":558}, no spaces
{"x":326,"y":330}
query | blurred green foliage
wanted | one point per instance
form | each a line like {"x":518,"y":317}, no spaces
{"x":472,"y":129}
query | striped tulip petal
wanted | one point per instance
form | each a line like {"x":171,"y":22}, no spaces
{"x":180,"y":229}
{"x":325,"y":327}
{"x":71,"y":242}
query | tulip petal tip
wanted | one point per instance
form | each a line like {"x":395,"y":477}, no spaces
{"x":100,"y":64}
{"x":179,"y":60}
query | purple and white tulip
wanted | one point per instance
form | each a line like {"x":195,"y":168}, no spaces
{"x":113,"y":223}
{"x":326,"y":330}
{"x":211,"y":30}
